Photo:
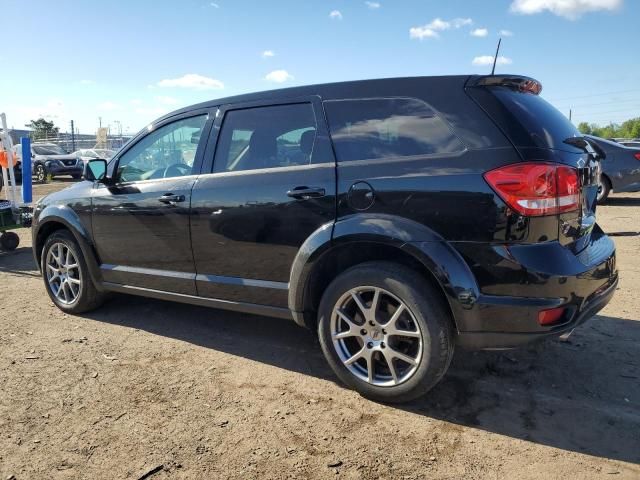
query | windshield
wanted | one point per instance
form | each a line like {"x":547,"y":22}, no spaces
{"x":48,"y":150}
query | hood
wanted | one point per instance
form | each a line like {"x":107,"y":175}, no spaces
{"x":79,"y":190}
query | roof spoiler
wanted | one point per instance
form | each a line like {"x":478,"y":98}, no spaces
{"x":515,"y":82}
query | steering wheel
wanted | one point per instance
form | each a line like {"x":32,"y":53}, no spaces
{"x":176,"y":170}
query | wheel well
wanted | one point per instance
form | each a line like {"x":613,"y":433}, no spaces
{"x":340,"y":258}
{"x":43,"y":233}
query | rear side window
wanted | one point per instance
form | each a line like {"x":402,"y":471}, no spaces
{"x":527,"y":119}
{"x":386,"y":128}
{"x":266,"y":137}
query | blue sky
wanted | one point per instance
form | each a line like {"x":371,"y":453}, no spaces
{"x":131,"y":61}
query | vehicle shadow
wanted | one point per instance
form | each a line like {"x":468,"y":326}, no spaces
{"x":18,"y":262}
{"x":623,"y":201}
{"x":581,"y":395}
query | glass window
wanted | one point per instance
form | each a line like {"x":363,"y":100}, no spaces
{"x":166,"y":152}
{"x":387,"y":127}
{"x":266,"y":137}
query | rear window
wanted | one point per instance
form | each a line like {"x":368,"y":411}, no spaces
{"x":387,"y":127}
{"x":527,"y":119}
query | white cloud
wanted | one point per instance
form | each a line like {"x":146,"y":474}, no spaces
{"x":373,"y":5}
{"x":506,"y":33}
{"x":430,"y":30}
{"x":278,"y":76}
{"x":336,"y":15}
{"x":136,"y":101}
{"x":214,"y":5}
{"x":193,"y":81}
{"x":164,"y":100}
{"x":480,"y":32}
{"x":268,"y":53}
{"x":151,"y":111}
{"x":109,"y":106}
{"x":571,"y":9}
{"x":484,"y":60}
{"x":87,"y":82}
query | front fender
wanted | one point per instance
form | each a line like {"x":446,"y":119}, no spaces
{"x":423,"y":244}
{"x":49,"y":219}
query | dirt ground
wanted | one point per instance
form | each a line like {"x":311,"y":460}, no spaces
{"x":150,"y":389}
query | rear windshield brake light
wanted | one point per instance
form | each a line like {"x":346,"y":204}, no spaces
{"x":536,"y":189}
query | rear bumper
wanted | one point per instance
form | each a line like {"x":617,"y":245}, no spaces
{"x":515,"y":283}
{"x":506,"y":340}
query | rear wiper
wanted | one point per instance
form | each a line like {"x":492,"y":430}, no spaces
{"x":587,"y":145}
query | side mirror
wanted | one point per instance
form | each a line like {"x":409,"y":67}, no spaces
{"x":95,"y":170}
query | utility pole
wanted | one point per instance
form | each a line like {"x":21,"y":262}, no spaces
{"x":73,"y":138}
{"x":100,"y":121}
{"x":570,"y":114}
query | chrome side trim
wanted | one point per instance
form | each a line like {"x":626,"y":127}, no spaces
{"x":148,"y":271}
{"x":247,"y":282}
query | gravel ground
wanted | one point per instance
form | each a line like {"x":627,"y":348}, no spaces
{"x":150,"y":389}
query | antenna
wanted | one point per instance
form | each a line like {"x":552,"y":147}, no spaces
{"x":495,"y":59}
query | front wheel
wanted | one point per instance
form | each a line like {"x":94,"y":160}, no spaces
{"x":40,"y":173}
{"x":66,"y":275}
{"x":385,"y":331}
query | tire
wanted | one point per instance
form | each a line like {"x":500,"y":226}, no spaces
{"x":9,"y":241}
{"x":424,"y":317}
{"x":76,"y":177}
{"x":40,"y":173}
{"x":604,"y":189}
{"x":80,"y":294}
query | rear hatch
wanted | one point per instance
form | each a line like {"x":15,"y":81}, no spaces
{"x":541,"y":133}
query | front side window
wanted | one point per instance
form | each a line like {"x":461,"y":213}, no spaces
{"x":167,"y":152}
{"x":266,"y":137}
{"x":387,"y":127}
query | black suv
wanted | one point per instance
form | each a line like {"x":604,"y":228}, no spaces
{"x":397,"y":218}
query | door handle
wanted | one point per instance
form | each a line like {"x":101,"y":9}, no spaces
{"x":303,"y":193}
{"x":171,"y":199}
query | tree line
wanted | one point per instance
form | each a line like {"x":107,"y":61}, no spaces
{"x":628,"y":129}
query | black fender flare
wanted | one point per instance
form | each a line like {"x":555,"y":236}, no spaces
{"x":444,"y":263}
{"x":70,"y":220}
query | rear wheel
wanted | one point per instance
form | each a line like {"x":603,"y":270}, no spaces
{"x":76,"y":176}
{"x":604,"y":189}
{"x":385,"y":331}
{"x":66,"y":275}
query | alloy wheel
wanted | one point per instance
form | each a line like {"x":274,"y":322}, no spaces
{"x":376,"y":336}
{"x":40,"y":174}
{"x":63,"y":273}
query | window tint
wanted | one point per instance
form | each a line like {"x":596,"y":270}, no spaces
{"x":387,"y":127}
{"x":167,"y":152}
{"x":266,"y":137}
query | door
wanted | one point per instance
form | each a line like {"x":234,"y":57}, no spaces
{"x":272,"y":185}
{"x":141,"y":222}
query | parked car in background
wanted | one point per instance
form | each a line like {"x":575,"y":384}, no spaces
{"x":396,"y":218}
{"x":620,"y":168}
{"x":91,"y":153}
{"x":51,"y":159}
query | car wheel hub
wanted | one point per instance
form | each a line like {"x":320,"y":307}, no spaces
{"x":63,"y":273}
{"x":376,"y":336}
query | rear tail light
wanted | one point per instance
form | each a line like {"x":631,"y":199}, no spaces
{"x":551,"y":316}
{"x":536,"y":189}
{"x":637,"y":155}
